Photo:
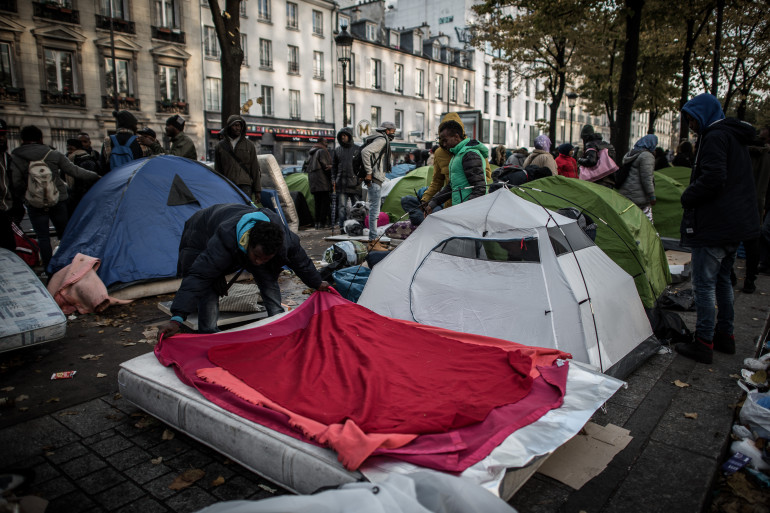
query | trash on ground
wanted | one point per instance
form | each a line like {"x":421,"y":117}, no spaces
{"x":681,"y":384}
{"x":63,"y":374}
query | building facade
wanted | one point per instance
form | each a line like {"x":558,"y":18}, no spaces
{"x":57,"y":66}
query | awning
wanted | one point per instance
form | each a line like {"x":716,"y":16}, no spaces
{"x":403,"y":146}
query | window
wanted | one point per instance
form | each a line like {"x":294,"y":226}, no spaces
{"x":498,"y":104}
{"x":512,"y":250}
{"x":436,"y":51}
{"x":418,"y":44}
{"x":245,"y":48}
{"x":398,"y":78}
{"x":319,"y":107}
{"x":210,"y":43}
{"x":371,"y":32}
{"x":399,"y":122}
{"x":486,"y":101}
{"x":419,"y":82}
{"x":166,"y":14}
{"x":212,"y":97}
{"x":510,"y":106}
{"x":485,"y":130}
{"x":526,"y":87}
{"x":375,"y":116}
{"x":242,"y":9}
{"x":294,"y":105}
{"x":123,"y":68}
{"x":267,"y":101}
{"x":537,"y":111}
{"x":395,"y":39}
{"x":265,"y":53}
{"x":318,"y":65}
{"x":6,"y":66}
{"x":419,"y":122}
{"x":351,"y":113}
{"x":263,"y":10}
{"x":318,"y":23}
{"x":453,"y":89}
{"x":486,"y":74}
{"x":510,"y":80}
{"x":439,"y":87}
{"x":114,"y":8}
{"x":526,"y":110}
{"x":59,"y":72}
{"x":498,"y":132}
{"x":498,"y":78}
{"x":292,"y":15}
{"x":244,"y":92}
{"x":168,"y":81}
{"x":294,"y":60}
{"x":466,"y":92}
{"x":532,"y":135}
{"x":375,"y":72}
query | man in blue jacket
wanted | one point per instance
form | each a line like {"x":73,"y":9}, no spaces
{"x":719,"y":212}
{"x":222,"y":239}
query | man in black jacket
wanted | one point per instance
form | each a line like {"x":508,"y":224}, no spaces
{"x":222,"y":239}
{"x":344,"y":180}
{"x":719,"y":212}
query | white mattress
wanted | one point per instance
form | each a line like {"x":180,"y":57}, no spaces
{"x":28,"y":313}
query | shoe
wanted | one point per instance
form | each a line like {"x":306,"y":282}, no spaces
{"x":700,"y":350}
{"x":749,"y":287}
{"x":318,"y":226}
{"x":724,"y":343}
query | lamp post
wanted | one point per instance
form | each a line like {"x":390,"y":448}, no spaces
{"x":344,"y":43}
{"x":571,"y":97}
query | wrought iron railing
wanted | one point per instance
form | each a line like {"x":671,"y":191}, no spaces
{"x":124,"y":103}
{"x":118,"y":24}
{"x":168,"y":34}
{"x":55,"y":12}
{"x":172,"y":107}
{"x":62,"y":98}
{"x":12,"y":95}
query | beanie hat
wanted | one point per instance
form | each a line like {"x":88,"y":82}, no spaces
{"x":565,"y":148}
{"x":147,"y":131}
{"x":125,"y":119}
{"x":586,"y":131}
{"x":75,"y":143}
{"x":176,"y":121}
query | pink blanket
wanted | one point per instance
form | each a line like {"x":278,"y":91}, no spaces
{"x":77,"y":287}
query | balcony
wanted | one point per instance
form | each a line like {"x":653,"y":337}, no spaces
{"x":168,"y":34}
{"x":8,"y":6}
{"x":65,"y":98}
{"x":55,"y":12}
{"x":12,"y":95}
{"x":172,"y":107}
{"x":118,"y":24}
{"x":124,"y":103}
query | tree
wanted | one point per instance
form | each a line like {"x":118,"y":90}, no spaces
{"x":535,"y":39}
{"x":227,"y":24}
{"x":628,"y":74}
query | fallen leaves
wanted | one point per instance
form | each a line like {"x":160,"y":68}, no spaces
{"x":145,"y":422}
{"x":186,"y":478}
{"x":69,"y":412}
{"x":91,"y":356}
{"x":127,"y":329}
{"x":691,"y":416}
{"x":681,"y":384}
{"x":218,"y":481}
{"x":117,"y":396}
{"x":127,"y":344}
{"x":267,"y":488}
{"x":101,"y":375}
{"x":53,"y":400}
{"x":157,"y":461}
{"x":7,"y":389}
{"x":167,"y":435}
{"x":22,"y":397}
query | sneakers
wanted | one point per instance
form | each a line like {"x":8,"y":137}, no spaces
{"x":700,"y":350}
{"x":724,"y":343}
{"x":748,"y":286}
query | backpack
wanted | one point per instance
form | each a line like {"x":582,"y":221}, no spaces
{"x":26,"y":247}
{"x":358,"y":159}
{"x":306,"y":168}
{"x":121,"y":154}
{"x":41,"y":185}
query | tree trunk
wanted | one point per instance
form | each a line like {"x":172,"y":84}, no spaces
{"x":684,"y":130}
{"x":561,"y":84}
{"x":627,"y":82}
{"x":653,"y":115}
{"x":717,"y":44}
{"x":227,"y":25}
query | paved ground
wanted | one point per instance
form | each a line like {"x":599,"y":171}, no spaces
{"x":93,"y":451}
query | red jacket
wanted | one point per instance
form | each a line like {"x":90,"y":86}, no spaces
{"x":566,"y":166}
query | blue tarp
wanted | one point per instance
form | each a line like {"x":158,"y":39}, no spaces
{"x":132,"y":218}
{"x":399,"y":170}
{"x":350,"y":281}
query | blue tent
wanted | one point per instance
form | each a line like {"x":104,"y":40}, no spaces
{"x":132,"y":218}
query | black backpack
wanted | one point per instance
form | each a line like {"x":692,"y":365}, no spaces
{"x":358,"y":159}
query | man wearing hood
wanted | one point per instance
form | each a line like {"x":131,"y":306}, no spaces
{"x":236,"y":158}
{"x":542,"y":157}
{"x":592,"y":146}
{"x":639,"y":186}
{"x":222,"y":239}
{"x":376,"y":159}
{"x":720,"y":211}
{"x":467,"y":177}
{"x":345,"y":182}
{"x":319,"y":180}
{"x":181,"y":144}
{"x":124,"y":135}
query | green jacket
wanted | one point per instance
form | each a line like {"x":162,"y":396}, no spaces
{"x":182,"y":146}
{"x":466,"y":169}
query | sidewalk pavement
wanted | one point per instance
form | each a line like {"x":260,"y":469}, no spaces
{"x":102,"y":454}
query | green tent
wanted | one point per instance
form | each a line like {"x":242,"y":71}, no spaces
{"x":405,"y":186}
{"x":298,"y":182}
{"x":623,"y":231}
{"x":667,"y":212}
{"x":680,"y":174}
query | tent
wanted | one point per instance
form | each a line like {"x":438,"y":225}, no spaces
{"x":623,"y":231}
{"x":298,"y":182}
{"x":678,"y":173}
{"x":503,"y":267}
{"x":132,"y":218}
{"x":667,"y":212}
{"x":405,"y":186}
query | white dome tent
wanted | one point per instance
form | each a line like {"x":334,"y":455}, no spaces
{"x":503,"y":267}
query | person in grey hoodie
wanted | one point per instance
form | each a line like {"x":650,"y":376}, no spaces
{"x":639,"y":187}
{"x":31,"y":149}
{"x":345,"y":182}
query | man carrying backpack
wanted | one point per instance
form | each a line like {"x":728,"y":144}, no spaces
{"x":36,"y":176}
{"x":376,"y":159}
{"x":122,"y":147}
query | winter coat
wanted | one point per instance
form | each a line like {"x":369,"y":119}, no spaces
{"x":467,"y":168}
{"x":248,"y":173}
{"x":208,"y":251}
{"x":682,"y":160}
{"x":760,"y":162}
{"x":319,"y":173}
{"x":182,"y":146}
{"x":57,"y":162}
{"x":720,"y":202}
{"x":380,"y":145}
{"x":639,"y":187}
{"x":343,"y":176}
{"x":541,"y":158}
{"x":566,"y":166}
{"x":516,"y":159}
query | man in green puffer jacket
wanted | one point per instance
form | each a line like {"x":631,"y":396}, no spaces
{"x":467,"y":177}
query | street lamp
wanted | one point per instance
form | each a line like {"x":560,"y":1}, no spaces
{"x":344,"y":46}
{"x":571,"y":100}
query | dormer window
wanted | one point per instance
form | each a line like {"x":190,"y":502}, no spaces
{"x":436,"y":51}
{"x":371,"y":32}
{"x":395,"y":39}
{"x":418,"y":44}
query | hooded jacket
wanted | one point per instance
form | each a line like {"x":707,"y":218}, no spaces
{"x":182,"y":146}
{"x":720,"y":202}
{"x":319,"y":172}
{"x":209,"y":250}
{"x":466,"y":169}
{"x":57,"y":162}
{"x":541,"y":158}
{"x":639,"y":187}
{"x":378,"y":149}
{"x":245,"y":173}
{"x":343,"y":176}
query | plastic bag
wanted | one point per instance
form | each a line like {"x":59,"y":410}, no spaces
{"x":754,"y":415}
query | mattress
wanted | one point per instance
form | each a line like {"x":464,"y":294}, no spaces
{"x":28,"y":313}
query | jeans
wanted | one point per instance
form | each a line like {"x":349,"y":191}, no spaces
{"x":271,"y":294}
{"x":711,"y":268}
{"x":40,"y":217}
{"x":208,"y":304}
{"x":373,"y":198}
{"x":342,"y":206}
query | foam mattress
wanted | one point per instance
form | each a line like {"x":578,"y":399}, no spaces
{"x":28,"y":313}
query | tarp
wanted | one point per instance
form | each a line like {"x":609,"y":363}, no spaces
{"x":667,"y":212}
{"x":132,"y":218}
{"x":298,"y":182}
{"x":420,"y":177}
{"x":399,"y":170}
{"x":623,"y":231}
